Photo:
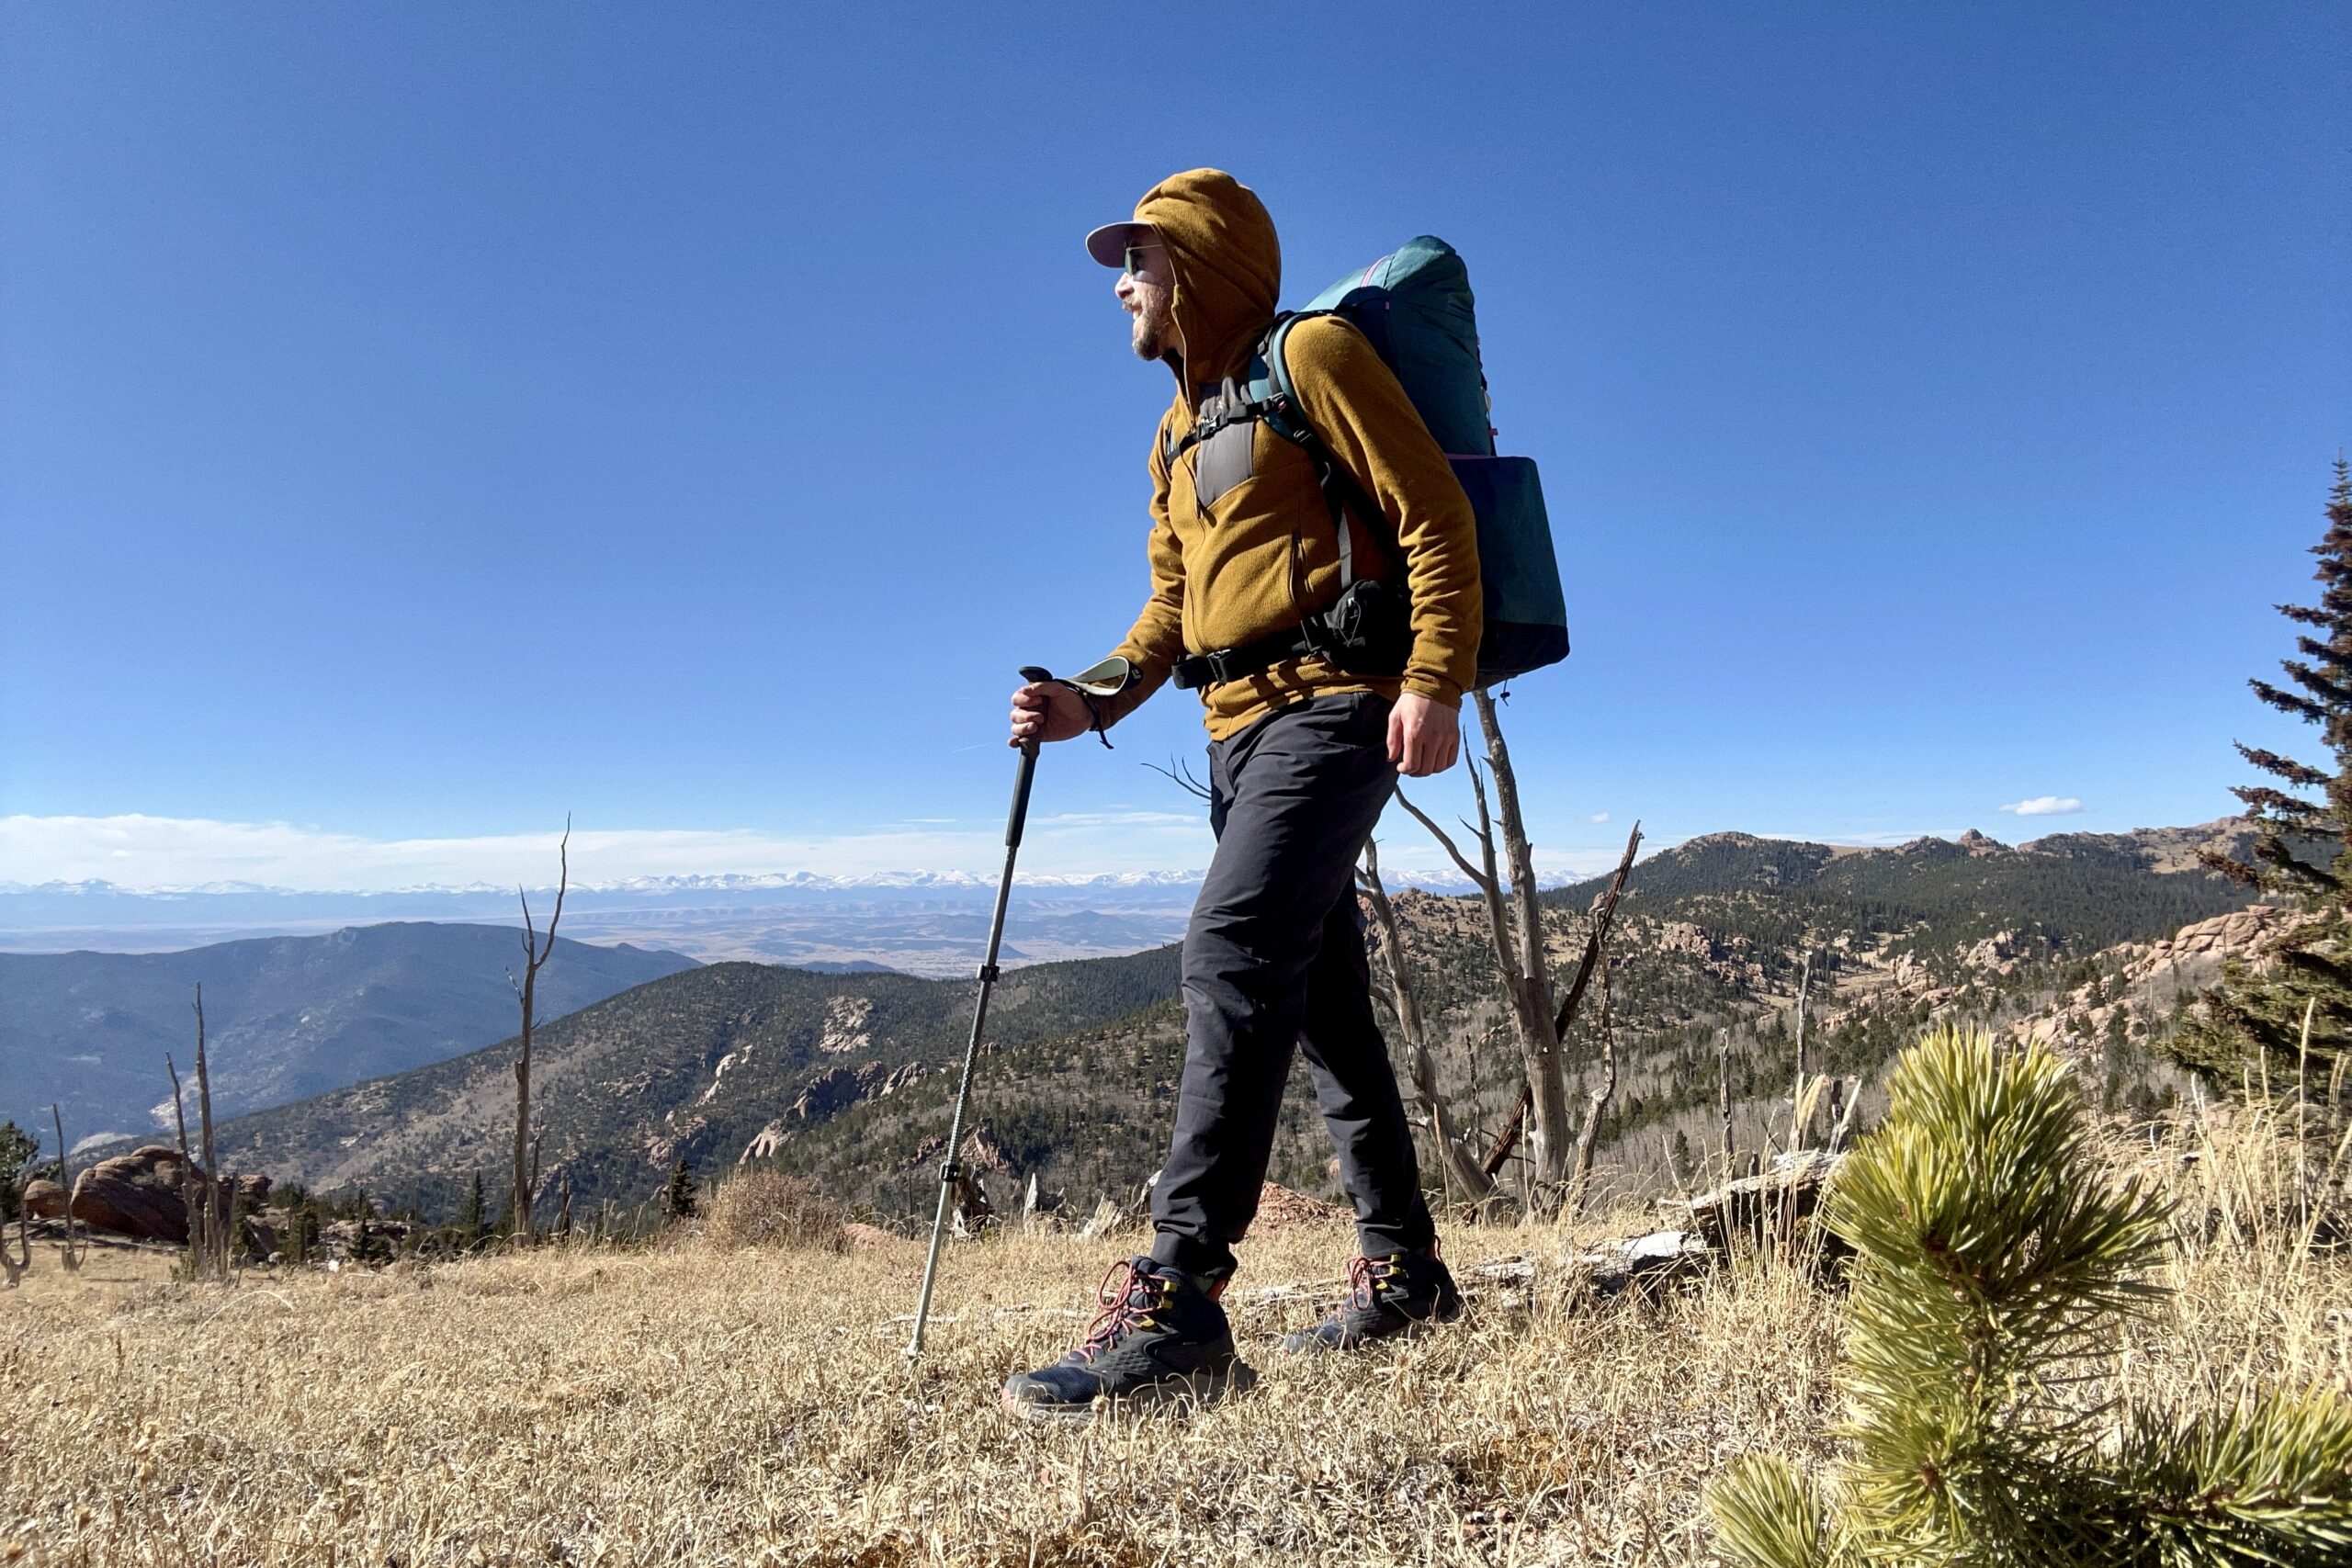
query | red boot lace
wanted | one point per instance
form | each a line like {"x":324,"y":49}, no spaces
{"x":1127,"y":1305}
{"x":1365,"y":1277}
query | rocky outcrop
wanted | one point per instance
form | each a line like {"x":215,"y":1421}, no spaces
{"x":845,"y":1021}
{"x":835,"y":1090}
{"x":135,"y":1194}
{"x":2234,"y":935}
{"x":2003,"y":951}
{"x":765,"y":1144}
{"x":1682,"y":936}
{"x":44,"y":1199}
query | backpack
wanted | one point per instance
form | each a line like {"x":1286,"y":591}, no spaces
{"x":1415,"y":307}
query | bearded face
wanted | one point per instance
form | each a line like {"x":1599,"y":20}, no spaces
{"x":1155,"y":322}
{"x":1146,"y":292}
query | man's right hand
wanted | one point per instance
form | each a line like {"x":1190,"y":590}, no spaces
{"x":1047,"y":710}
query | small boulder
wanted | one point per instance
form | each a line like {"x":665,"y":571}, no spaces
{"x":135,"y":1194}
{"x":44,"y":1199}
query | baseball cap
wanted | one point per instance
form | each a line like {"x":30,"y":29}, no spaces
{"x":1109,"y":244}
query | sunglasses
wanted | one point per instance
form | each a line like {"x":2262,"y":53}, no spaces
{"x":1135,"y":259}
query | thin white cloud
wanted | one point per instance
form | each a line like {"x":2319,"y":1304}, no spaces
{"x":2045,"y":805}
{"x":157,"y":852}
{"x":1597,"y":817}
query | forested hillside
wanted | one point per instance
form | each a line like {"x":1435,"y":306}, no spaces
{"x":287,"y":1016}
{"x":692,"y":1066}
{"x":846,"y":1076}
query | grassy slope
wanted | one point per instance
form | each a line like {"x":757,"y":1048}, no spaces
{"x":687,"y":1405}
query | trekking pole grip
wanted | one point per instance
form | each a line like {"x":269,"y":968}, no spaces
{"x":1019,"y":816}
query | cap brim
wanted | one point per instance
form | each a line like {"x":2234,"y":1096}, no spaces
{"x":1109,"y":244}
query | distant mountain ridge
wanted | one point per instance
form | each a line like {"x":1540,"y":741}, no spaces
{"x":844,"y":1077}
{"x":286,"y":1016}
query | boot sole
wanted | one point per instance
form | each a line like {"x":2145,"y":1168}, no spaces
{"x":1301,"y":1343}
{"x":1194,"y":1389}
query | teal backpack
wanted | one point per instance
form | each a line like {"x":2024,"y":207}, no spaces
{"x":1414,"y":306}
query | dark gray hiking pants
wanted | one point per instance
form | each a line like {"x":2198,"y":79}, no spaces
{"x":1275,"y":958}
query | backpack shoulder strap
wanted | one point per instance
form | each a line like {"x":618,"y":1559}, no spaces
{"x":1285,"y":415}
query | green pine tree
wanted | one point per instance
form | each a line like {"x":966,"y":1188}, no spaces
{"x":18,"y":1148}
{"x":678,"y":1198}
{"x":2302,"y":856}
{"x":1995,"y":1263}
{"x":469,"y":1218}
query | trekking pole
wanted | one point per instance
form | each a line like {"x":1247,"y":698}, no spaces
{"x":951,"y":1171}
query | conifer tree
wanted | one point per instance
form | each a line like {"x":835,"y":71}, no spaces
{"x":1994,"y":1263}
{"x":678,"y":1198}
{"x":469,"y":1218}
{"x":2302,"y":856}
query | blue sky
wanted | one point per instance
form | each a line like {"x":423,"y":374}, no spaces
{"x":417,"y":422}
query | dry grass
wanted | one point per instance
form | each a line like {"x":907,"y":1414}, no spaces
{"x":768,"y":1208}
{"x":707,"y":1406}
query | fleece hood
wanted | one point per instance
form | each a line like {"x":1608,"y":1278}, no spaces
{"x":1229,"y":269}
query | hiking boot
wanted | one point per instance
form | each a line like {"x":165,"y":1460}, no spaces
{"x":1388,"y":1298}
{"x":1159,"y":1337}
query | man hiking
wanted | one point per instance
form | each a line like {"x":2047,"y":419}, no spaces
{"x":1304,"y":753}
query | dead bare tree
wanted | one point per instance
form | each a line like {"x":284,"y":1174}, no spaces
{"x":1596,"y":1105}
{"x":1799,"y":1106}
{"x":15,"y":1265}
{"x":189,"y":1196}
{"x":213,"y":1255}
{"x":1722,"y":1092}
{"x":1515,"y":922}
{"x":1463,"y":1173}
{"x":70,"y":1255}
{"x":535,"y":954}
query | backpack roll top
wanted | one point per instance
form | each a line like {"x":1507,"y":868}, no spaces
{"x":1415,"y":305}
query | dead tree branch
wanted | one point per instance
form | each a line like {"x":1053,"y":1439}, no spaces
{"x":1504,"y":875}
{"x":535,"y":954}
{"x":189,"y":1199}
{"x":71,"y":1255}
{"x":1596,"y":1105}
{"x":1722,"y":1090}
{"x":213,"y":1255}
{"x":1180,"y":773}
{"x":1603,"y":915}
{"x":1801,"y":1105}
{"x":1462,"y":1172}
{"x":15,"y":1265}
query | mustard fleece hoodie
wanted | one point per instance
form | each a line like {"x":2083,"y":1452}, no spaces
{"x":1261,"y":555}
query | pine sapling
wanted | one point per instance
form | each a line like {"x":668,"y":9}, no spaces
{"x":1997,"y":1264}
